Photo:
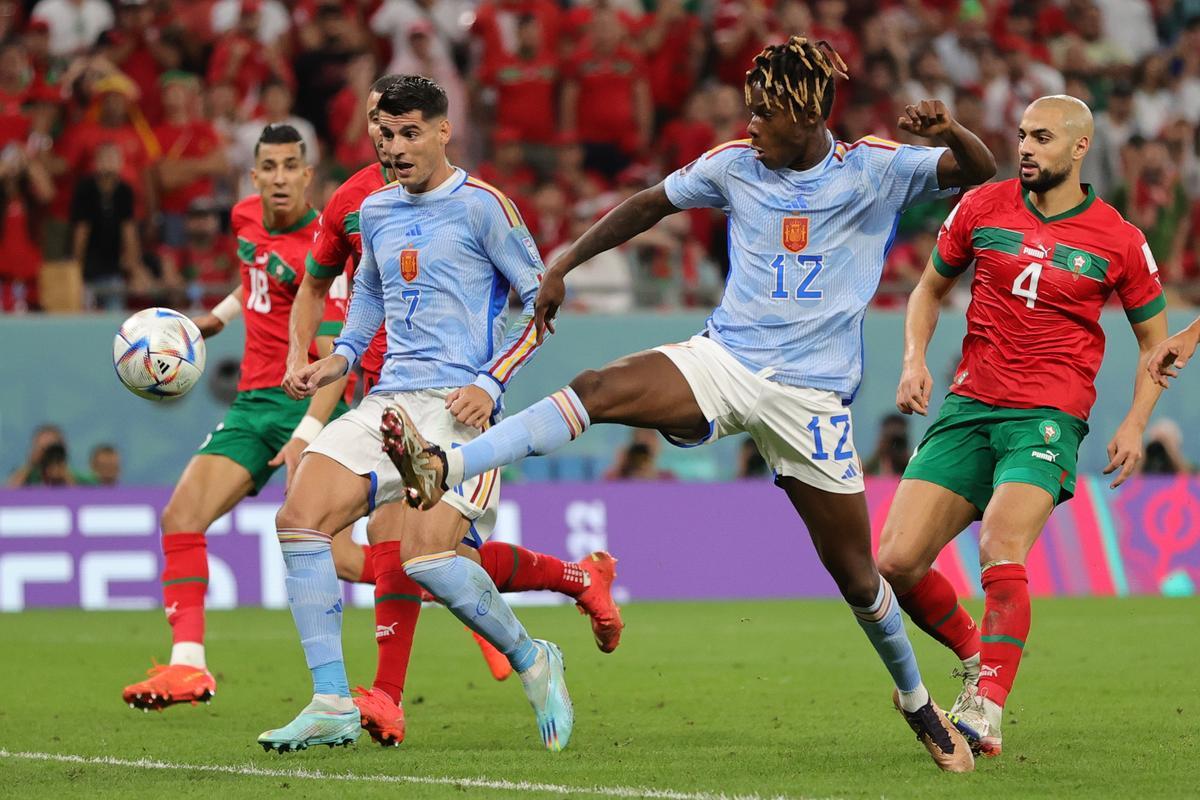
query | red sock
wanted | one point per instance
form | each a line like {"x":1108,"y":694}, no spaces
{"x":933,"y":605}
{"x":1005,"y":627}
{"x":368,"y":570}
{"x":397,"y":606}
{"x":185,"y":580}
{"x":515,"y":569}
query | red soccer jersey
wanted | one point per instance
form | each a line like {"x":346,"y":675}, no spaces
{"x":1033,"y":332}
{"x":272,"y":263}
{"x":338,"y":243}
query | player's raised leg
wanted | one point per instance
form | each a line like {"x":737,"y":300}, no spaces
{"x":325,"y":497}
{"x":923,"y":518}
{"x":841,"y":532}
{"x":1013,"y":521}
{"x":428,"y":550}
{"x":210,"y":486}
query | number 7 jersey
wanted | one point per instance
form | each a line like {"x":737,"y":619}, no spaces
{"x":1033,"y":326}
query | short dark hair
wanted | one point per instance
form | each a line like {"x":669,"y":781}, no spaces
{"x":381,"y":84}
{"x":280,"y":134}
{"x":414,"y":93}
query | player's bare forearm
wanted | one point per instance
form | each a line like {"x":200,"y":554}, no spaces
{"x":638,"y":213}
{"x":921,"y":315}
{"x":1146,"y":391}
{"x":307,"y":310}
{"x":969,"y":161}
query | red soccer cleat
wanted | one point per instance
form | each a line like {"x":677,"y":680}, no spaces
{"x":381,"y":718}
{"x":597,"y":602}
{"x":169,"y":685}
{"x":497,"y":662}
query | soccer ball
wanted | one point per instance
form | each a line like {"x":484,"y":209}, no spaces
{"x":159,"y":354}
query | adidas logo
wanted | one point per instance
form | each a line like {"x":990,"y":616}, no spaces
{"x":415,"y":230}
{"x":385,"y":630}
{"x":851,"y":472}
{"x":336,"y":609}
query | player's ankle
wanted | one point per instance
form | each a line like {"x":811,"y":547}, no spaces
{"x":915,"y":699}
{"x":188,"y":653}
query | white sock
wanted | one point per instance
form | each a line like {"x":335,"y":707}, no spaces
{"x":914,"y":700}
{"x":540,"y":664}
{"x":971,"y":667}
{"x":454,"y":467}
{"x":190,"y":653}
{"x":331,"y":702}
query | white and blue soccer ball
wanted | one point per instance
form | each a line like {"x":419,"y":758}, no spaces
{"x":159,"y":354}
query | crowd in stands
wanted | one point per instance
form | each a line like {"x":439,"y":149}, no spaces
{"x":127,"y":127}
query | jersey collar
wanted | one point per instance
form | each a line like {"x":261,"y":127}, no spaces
{"x":441,"y":190}
{"x":295,"y":226}
{"x":816,"y":169}
{"x":1070,"y":212}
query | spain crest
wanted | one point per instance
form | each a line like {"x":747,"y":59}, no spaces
{"x":795,"y":233}
{"x":408,"y":264}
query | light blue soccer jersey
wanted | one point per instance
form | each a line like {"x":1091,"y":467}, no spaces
{"x":806,"y":250}
{"x":436,"y":269}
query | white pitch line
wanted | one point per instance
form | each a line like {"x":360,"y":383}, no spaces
{"x":299,"y":773}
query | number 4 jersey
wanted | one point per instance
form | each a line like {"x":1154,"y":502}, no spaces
{"x":1033,"y":327}
{"x":272,"y":263}
{"x":806,"y":251}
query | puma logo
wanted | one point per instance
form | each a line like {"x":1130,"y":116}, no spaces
{"x":986,"y":671}
{"x":171,"y":609}
{"x":385,"y":630}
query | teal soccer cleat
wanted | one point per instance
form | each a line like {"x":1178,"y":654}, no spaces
{"x":546,"y":687}
{"x":316,"y":724}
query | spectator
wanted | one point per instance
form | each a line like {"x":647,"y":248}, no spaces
{"x":508,"y":168}
{"x":104,"y":233}
{"x":422,"y":57}
{"x":394,"y":20}
{"x":205,"y":261}
{"x":549,"y":217}
{"x":892,"y":451}
{"x":136,"y":47}
{"x":1153,"y":199}
{"x":240,"y":59}
{"x":584,"y":188}
{"x":54,"y":469}
{"x":73,"y":25}
{"x":1164,"y":450}
{"x":1130,"y":24}
{"x":751,"y":464}
{"x":1114,"y":126}
{"x":603,"y":283}
{"x":674,"y":45}
{"x":741,"y":29}
{"x":347,"y":122}
{"x":606,"y":96}
{"x":30,"y":473}
{"x":830,"y":25}
{"x":321,"y":68}
{"x":496,"y":24}
{"x":525,"y":83}
{"x":25,"y":190}
{"x":105,"y":463}
{"x":276,"y":109}
{"x":928,"y":80}
{"x":637,"y":460}
{"x":1153,"y":100}
{"x":271,"y":21}
{"x":191,"y":153}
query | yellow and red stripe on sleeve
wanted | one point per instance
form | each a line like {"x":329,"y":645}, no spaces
{"x":516,"y":355}
{"x":510,"y":210}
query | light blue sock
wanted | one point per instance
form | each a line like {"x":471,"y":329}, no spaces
{"x":542,"y":428}
{"x":465,"y":588}
{"x":885,"y":628}
{"x":316,"y":602}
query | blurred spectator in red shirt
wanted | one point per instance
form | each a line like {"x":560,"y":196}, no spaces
{"x":578,"y":18}
{"x":496,"y":24}
{"x":204,"y":260}
{"x":191,"y":153}
{"x":548,"y":217}
{"x":728,"y":114}
{"x":675,"y":48}
{"x":606,"y":96}
{"x":525,"y":82}
{"x":423,"y":57}
{"x":352,"y":149}
{"x":582,"y":187}
{"x":321,"y":69}
{"x":741,"y":29}
{"x":507,"y":168}
{"x":393,"y":20}
{"x":25,"y":190}
{"x":683,"y":140}
{"x":239,"y":58}
{"x":136,"y":48}
{"x":830,"y":25}
{"x":46,"y":68}
{"x":271,"y":19}
{"x":15,"y":83}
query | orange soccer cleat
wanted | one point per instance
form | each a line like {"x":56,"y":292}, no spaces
{"x":497,"y":662}
{"x":381,"y":718}
{"x":169,"y":685}
{"x":597,"y":602}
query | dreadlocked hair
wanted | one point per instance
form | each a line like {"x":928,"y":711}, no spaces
{"x":797,"y":76}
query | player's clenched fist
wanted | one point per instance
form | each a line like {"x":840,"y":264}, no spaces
{"x":471,"y":406}
{"x":305,"y":381}
{"x":916,"y":385}
{"x":927,"y":118}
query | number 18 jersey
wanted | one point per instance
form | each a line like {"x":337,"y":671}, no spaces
{"x":806,"y":251}
{"x":1033,"y":327}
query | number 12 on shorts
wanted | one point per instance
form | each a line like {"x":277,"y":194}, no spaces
{"x":840,"y":425}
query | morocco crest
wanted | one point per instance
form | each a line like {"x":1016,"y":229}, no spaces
{"x":795,"y":233}
{"x":408,"y":264}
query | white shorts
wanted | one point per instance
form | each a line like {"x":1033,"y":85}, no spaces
{"x":353,"y":440}
{"x":802,"y":433}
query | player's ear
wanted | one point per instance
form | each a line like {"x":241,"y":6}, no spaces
{"x":444,"y":130}
{"x":1082,"y":145}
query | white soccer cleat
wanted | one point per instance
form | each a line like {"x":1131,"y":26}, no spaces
{"x":978,"y":718}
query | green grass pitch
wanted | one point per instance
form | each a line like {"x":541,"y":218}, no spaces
{"x":701,"y":700}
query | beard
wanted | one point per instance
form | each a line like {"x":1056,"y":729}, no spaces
{"x":1045,"y":180}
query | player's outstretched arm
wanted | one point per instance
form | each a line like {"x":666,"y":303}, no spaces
{"x":639,"y":213}
{"x":968,"y":163}
{"x":1125,"y":449}
{"x":920,"y":320}
{"x":214,"y":322}
{"x":307,"y":310}
{"x":1172,"y":354}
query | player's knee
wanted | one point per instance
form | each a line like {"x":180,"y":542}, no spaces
{"x":179,"y":518}
{"x":292,"y":516}
{"x":589,"y":388}
{"x":859,"y":590}
{"x":997,"y":544}
{"x":899,"y":569}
